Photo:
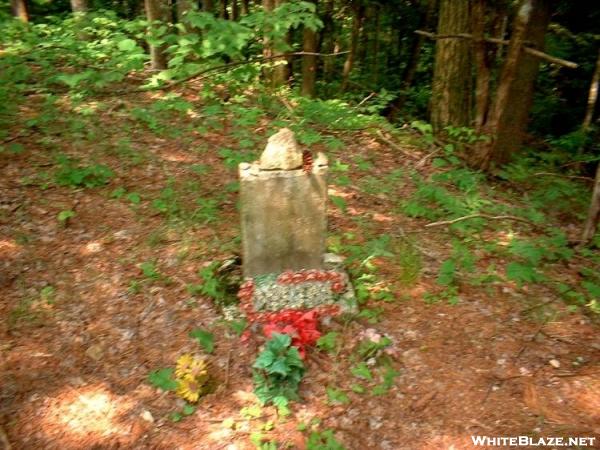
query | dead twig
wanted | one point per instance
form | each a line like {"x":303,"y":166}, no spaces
{"x":394,"y":145}
{"x":558,"y":175}
{"x":482,"y":216}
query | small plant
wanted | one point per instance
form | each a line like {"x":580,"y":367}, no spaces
{"x":64,"y":216}
{"x":328,"y":342}
{"x":337,"y":396}
{"x":71,"y":174}
{"x":205,"y":338}
{"x":323,"y":440}
{"x":278,"y":371}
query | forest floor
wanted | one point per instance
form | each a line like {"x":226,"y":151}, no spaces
{"x":83,"y":326}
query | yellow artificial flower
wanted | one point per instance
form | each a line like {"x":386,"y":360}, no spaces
{"x":189,"y":388}
{"x":184,"y":364}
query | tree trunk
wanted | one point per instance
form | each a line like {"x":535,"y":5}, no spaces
{"x":357,"y":19}
{"x":591,"y":223}
{"x":451,"y":88}
{"x":79,"y":6}
{"x":208,"y":6}
{"x":235,"y":10}
{"x":19,"y":10}
{"x":309,"y":62}
{"x":281,"y":71}
{"x":482,"y":61}
{"x":408,"y":76}
{"x":157,"y":10}
{"x":592,"y":96}
{"x":507,"y":119}
{"x":224,"y":14}
{"x":375,"y":55}
{"x":183,"y":7}
{"x":245,"y":7}
{"x":327,"y":40}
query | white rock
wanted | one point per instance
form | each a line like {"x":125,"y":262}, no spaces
{"x":282,"y":152}
{"x":147,"y":416}
{"x":554,"y":363}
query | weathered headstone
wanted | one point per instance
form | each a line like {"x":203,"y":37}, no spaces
{"x":284,"y":224}
{"x":283,"y":209}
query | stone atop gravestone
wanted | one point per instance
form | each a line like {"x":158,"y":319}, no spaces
{"x":282,"y":152}
{"x":283,"y":211}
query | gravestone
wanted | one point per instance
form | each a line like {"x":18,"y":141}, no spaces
{"x":283,"y":209}
{"x":283,"y":199}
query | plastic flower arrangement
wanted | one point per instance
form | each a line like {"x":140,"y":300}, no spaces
{"x":191,"y":377}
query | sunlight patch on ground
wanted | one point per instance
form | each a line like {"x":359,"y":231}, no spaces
{"x":93,"y":412}
{"x":91,"y":247}
{"x":9,"y":248}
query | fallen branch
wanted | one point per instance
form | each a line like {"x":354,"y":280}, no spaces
{"x":482,"y":216}
{"x":201,"y":74}
{"x":572,"y":177}
{"x":531,"y":51}
{"x":394,"y":145}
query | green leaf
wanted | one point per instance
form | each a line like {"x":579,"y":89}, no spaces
{"x":337,"y":396}
{"x":328,"y":341}
{"x":521,"y":273}
{"x":63,"y":216}
{"x":205,"y":338}
{"x":362,"y":371}
{"x":188,"y":410}
{"x":126,"y":45}
{"x":163,"y":379}
{"x":339,"y":202}
{"x":447,"y":273}
{"x":264,"y":360}
{"x":592,"y":288}
{"x":134,"y":198}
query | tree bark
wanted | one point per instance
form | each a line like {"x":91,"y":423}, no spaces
{"x":592,"y":96}
{"x":413,"y":63}
{"x":245,"y":7}
{"x":208,"y":6}
{"x":508,"y":117}
{"x":327,"y":39}
{"x":19,"y":10}
{"x":482,"y":61}
{"x":591,"y":223}
{"x":309,"y":62}
{"x":235,"y":10}
{"x":375,"y":55}
{"x":224,"y":14}
{"x":450,"y":98}
{"x":358,"y":13}
{"x":157,"y":10}
{"x":281,"y":71}
{"x":79,"y":6}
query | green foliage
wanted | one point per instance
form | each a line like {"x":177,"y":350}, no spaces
{"x":337,"y":397}
{"x":323,"y":440}
{"x":163,"y":379}
{"x":278,"y":371}
{"x":362,"y":371}
{"x":328,"y":342}
{"x":71,"y":174}
{"x":205,"y":338}
{"x":215,"y":285}
{"x":64,"y":216}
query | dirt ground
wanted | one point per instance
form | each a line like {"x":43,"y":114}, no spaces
{"x":74,"y":368}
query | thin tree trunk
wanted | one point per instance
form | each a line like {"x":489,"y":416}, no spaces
{"x":79,"y":6}
{"x":224,"y":14}
{"x":592,"y":96}
{"x":357,"y":19}
{"x":309,"y":62}
{"x":19,"y":10}
{"x":327,"y":39}
{"x":413,"y":63}
{"x":507,"y":120}
{"x":482,"y":84}
{"x":157,"y":10}
{"x":245,"y":7}
{"x":375,"y":56}
{"x":281,"y":71}
{"x":235,"y":10}
{"x":208,"y":6}
{"x":591,"y":223}
{"x":450,"y":98}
